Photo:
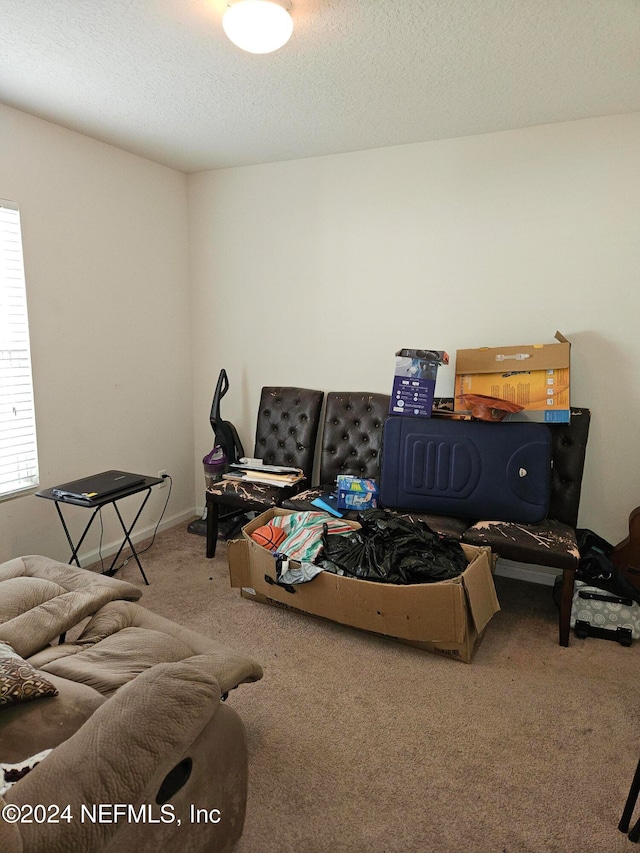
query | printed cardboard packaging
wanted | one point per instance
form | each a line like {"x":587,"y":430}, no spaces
{"x":414,"y":381}
{"x":536,"y":377}
{"x":356,"y":493}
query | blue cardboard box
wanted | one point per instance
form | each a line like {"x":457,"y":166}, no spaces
{"x":414,"y":381}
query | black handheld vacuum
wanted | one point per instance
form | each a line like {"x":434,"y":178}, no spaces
{"x":227,"y":448}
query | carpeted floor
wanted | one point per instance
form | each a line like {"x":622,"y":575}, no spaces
{"x":362,"y":745}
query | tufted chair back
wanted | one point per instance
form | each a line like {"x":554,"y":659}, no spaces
{"x":287,"y":427}
{"x":569,"y":447}
{"x":352,"y":434}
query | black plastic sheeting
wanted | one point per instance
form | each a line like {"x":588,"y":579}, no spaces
{"x":391,"y":549}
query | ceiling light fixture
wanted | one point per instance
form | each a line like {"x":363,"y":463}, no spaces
{"x":258,"y":26}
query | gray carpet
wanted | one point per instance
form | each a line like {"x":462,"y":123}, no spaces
{"x":362,"y":745}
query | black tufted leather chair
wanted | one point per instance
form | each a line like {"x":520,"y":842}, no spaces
{"x":286,"y":433}
{"x":552,"y":542}
{"x":351,"y":442}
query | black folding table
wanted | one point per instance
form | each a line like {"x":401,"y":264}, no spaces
{"x":96,"y":505}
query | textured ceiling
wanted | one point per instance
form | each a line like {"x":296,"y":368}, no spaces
{"x":159,"y":77}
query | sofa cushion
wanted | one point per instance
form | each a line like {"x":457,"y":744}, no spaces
{"x":117,"y":659}
{"x":33,"y":726}
{"x":19,"y":681}
{"x":21,"y":594}
{"x":40,"y":599}
{"x":231,"y":667}
{"x":549,"y":543}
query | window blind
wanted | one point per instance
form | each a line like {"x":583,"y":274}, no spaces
{"x":18,"y":449}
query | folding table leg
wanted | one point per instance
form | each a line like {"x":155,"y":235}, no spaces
{"x":127,"y":537}
{"x":75,"y":548}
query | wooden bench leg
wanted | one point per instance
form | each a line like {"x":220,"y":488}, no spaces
{"x":566,"y":600}
{"x":212,"y":527}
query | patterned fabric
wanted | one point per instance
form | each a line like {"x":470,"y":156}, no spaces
{"x":609,"y":614}
{"x":549,"y":543}
{"x":19,"y":681}
{"x":304,"y":533}
{"x":256,"y":496}
{"x":12,"y":773}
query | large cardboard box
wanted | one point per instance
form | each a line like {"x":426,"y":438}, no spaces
{"x":536,"y":377}
{"x":448,"y":618}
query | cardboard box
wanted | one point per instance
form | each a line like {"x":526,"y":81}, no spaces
{"x":447,"y":618}
{"x":536,"y":377}
{"x":414,"y":381}
{"x":356,"y":493}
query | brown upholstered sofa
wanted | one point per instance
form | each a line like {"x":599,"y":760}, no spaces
{"x":137,"y":724}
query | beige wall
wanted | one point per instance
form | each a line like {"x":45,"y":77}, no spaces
{"x":105,"y":246}
{"x":314,"y":272}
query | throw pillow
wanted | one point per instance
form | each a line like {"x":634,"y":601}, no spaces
{"x":19,"y":681}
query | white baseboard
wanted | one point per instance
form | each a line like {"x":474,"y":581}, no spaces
{"x":108,"y":549}
{"x":525,"y":572}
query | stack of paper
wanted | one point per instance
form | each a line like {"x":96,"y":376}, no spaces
{"x":280,"y":476}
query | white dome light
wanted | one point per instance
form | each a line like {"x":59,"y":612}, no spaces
{"x":258,"y":26}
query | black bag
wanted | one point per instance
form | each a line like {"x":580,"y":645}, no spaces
{"x":392,"y":550}
{"x":601,"y":592}
{"x":596,"y":569}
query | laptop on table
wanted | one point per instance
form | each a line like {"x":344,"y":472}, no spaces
{"x":97,"y":486}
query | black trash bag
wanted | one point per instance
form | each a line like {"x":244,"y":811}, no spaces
{"x":392,"y":550}
{"x":596,"y":569}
